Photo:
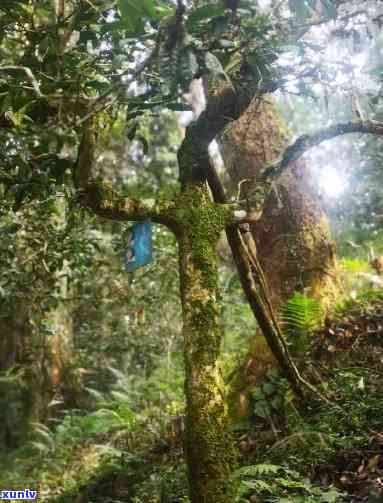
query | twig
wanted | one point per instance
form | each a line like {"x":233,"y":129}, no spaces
{"x":29,"y":74}
{"x":95,"y":108}
{"x":240,"y":187}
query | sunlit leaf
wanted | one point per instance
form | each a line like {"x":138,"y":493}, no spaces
{"x":213,"y":64}
{"x":149,"y":8}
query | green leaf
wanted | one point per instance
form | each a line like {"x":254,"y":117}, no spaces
{"x":132,"y":11}
{"x":163,"y":11}
{"x":262,"y":409}
{"x":331,"y":496}
{"x":203,"y":13}
{"x":131,"y":14}
{"x":259,"y":469}
{"x":149,"y":8}
{"x":258,"y":394}
{"x":129,"y":8}
{"x":276,"y":403}
{"x":268,"y":388}
{"x":213,"y":64}
{"x":301,"y":314}
{"x":98,"y":85}
{"x":42,"y":448}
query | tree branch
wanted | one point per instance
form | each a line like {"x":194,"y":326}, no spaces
{"x":325,"y":20}
{"x":225,"y":104}
{"x":196,"y":165}
{"x":103,"y":200}
{"x":254,"y":286}
{"x":28,"y":73}
{"x":100,"y":102}
{"x":271,"y":86}
{"x":306,"y":142}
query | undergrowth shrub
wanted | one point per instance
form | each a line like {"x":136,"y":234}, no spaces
{"x":279,"y":484}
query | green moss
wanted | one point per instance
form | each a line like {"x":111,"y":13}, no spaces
{"x":201,"y":222}
{"x":209,"y":446}
{"x":217,"y":454}
{"x":282,"y":126}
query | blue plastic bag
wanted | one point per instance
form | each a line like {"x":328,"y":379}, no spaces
{"x":139,"y":251}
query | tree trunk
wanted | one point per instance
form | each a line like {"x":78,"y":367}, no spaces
{"x":15,"y":399}
{"x":197,"y":223}
{"x":209,"y":447}
{"x":292,"y":237}
{"x":249,"y":269}
{"x":43,"y":358}
{"x":35,"y":341}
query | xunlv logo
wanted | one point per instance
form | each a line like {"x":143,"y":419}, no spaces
{"x":26,"y":494}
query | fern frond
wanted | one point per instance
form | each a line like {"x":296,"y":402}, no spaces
{"x":301,"y":316}
{"x":259,"y":469}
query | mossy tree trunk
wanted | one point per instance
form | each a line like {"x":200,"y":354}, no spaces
{"x":209,"y":447}
{"x":197,"y":222}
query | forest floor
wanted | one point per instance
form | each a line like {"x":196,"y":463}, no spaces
{"x":312,"y":452}
{"x":349,"y":348}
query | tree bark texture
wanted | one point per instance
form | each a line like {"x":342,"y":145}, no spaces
{"x":38,"y":341}
{"x":292,"y":236}
{"x":44,"y":360}
{"x":209,"y":447}
{"x":291,"y":239}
